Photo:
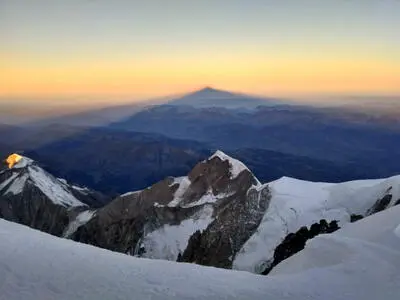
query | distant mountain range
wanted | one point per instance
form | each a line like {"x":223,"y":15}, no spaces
{"x":116,"y":162}
{"x":144,"y":144}
{"x":337,"y":135}
{"x":91,"y":118}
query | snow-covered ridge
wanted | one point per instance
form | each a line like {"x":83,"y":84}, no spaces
{"x":83,"y":190}
{"x":25,"y":171}
{"x":49,"y":186}
{"x":130,"y":193}
{"x":296,"y":203}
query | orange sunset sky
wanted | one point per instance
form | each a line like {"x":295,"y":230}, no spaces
{"x":129,"y":50}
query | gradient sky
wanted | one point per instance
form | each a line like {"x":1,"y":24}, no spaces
{"x":127,"y":50}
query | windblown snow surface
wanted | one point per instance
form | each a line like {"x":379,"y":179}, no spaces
{"x":360,"y":261}
{"x":296,"y":203}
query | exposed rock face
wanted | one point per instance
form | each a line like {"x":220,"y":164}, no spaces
{"x":355,"y":218}
{"x":219,"y":197}
{"x":389,"y":199}
{"x":31,"y":196}
{"x":380,"y":204}
{"x":237,"y":220}
{"x":119,"y":225}
{"x":40,"y":214}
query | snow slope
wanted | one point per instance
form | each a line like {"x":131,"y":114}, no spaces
{"x":51,"y":188}
{"x":81,"y":219}
{"x":296,"y":203}
{"x":170,"y":240}
{"x":184,"y":183}
{"x":365,"y":253}
{"x":360,"y":261}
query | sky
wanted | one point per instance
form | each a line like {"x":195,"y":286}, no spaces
{"x":101,"y":50}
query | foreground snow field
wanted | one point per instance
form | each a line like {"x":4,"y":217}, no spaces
{"x":361,"y":261}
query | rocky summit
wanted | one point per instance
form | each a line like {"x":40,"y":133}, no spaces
{"x":220,"y":197}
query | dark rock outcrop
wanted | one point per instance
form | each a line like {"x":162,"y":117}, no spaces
{"x":223,"y":238}
{"x":295,"y":242}
{"x":32,"y":208}
{"x":355,"y":218}
{"x":381,"y":204}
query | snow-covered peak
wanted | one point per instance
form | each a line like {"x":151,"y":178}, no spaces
{"x":236,"y":166}
{"x":24,"y":173}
